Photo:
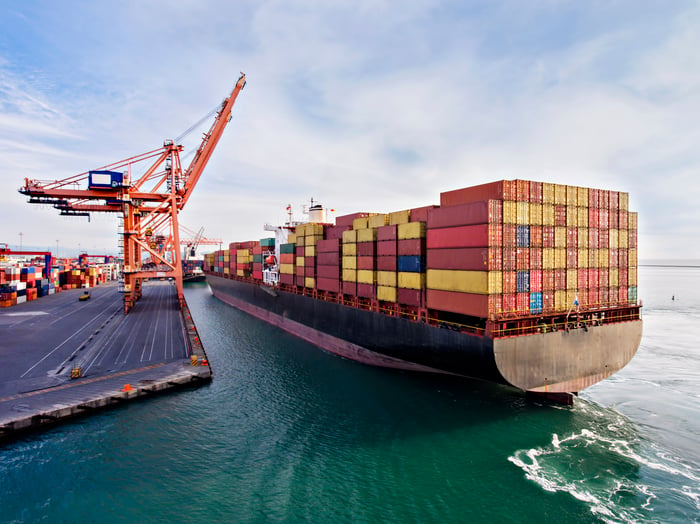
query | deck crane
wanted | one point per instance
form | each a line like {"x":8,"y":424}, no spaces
{"x":147,"y":203}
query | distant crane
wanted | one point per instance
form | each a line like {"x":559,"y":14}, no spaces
{"x":48,"y":257}
{"x":147,"y":203}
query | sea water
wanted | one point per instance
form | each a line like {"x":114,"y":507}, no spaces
{"x":289,"y":433}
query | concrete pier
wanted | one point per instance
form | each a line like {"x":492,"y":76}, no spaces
{"x":62,"y":358}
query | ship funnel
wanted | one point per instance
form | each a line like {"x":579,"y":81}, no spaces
{"x":317,"y":213}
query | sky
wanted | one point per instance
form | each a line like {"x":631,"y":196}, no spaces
{"x":361,"y":105}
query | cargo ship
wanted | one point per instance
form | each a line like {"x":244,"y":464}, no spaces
{"x":528,"y":284}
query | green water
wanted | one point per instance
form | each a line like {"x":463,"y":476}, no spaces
{"x":289,"y":433}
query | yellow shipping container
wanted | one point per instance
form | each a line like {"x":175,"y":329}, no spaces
{"x":310,"y":282}
{"x":378,"y":220}
{"x":349,"y":263}
{"x":582,"y":258}
{"x":548,"y":258}
{"x":559,"y":194}
{"x":523,"y":211}
{"x":571,"y":279}
{"x":240,"y":272}
{"x":582,"y":197}
{"x":560,"y":300}
{"x":310,"y":240}
{"x":387,"y":278}
{"x":547,"y":214}
{"x":411,"y":280}
{"x":349,"y":275}
{"x":535,"y":214}
{"x":299,"y":261}
{"x":479,"y":282}
{"x":411,"y":230}
{"x":632,"y":276}
{"x":613,"y":239}
{"x":366,"y":276}
{"x":624,"y":201}
{"x":547,"y":193}
{"x":571,"y":196}
{"x":349,"y":237}
{"x":310,"y":251}
{"x":287,"y":269}
{"x":571,"y":216}
{"x":603,"y":258}
{"x":226,"y":271}
{"x":386,"y":293}
{"x":300,"y":230}
{"x":571,"y":298}
{"x":560,"y":258}
{"x":632,"y":220}
{"x":367,"y":235}
{"x":399,"y":217}
{"x":510,"y":212}
{"x":614,"y":277}
{"x":623,"y":238}
{"x":360,"y":223}
{"x":314,"y":228}
{"x":632,"y":257}
{"x":560,"y":236}
{"x":582,"y":237}
{"x":582,"y":219}
{"x":349,"y":249}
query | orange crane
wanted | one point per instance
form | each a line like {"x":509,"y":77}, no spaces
{"x":5,"y":251}
{"x":147,"y":203}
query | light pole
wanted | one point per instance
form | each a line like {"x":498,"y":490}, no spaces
{"x":20,"y":240}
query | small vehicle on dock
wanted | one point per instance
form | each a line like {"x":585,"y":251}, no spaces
{"x":84,"y":296}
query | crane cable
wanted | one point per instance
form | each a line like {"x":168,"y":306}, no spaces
{"x":198,"y":123}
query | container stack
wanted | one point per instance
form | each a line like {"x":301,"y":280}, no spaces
{"x":287,"y":263}
{"x":349,"y":262}
{"x":411,"y":262}
{"x":328,"y":256}
{"x":387,"y":263}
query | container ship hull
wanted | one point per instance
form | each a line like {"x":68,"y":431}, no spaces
{"x":556,"y":363}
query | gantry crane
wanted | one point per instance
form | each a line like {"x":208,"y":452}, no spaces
{"x":148,"y":203}
{"x":5,"y":251}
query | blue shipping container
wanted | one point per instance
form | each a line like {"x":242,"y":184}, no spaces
{"x":523,"y":281}
{"x":411,"y":263}
{"x":523,"y":236}
{"x":536,"y":302}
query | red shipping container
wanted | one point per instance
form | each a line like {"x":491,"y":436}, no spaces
{"x":299,"y":281}
{"x":509,"y":258}
{"x":593,"y":278}
{"x":582,"y":279}
{"x":603,"y":278}
{"x":559,"y":215}
{"x":535,"y":258}
{"x":328,"y":272}
{"x":548,"y":280}
{"x":346,"y":220}
{"x":603,"y":215}
{"x":572,"y":258}
{"x":614,"y":258}
{"x":386,"y":233}
{"x":593,"y":217}
{"x":593,"y":198}
{"x":510,"y":281}
{"x":336,"y":232}
{"x":571,"y":237}
{"x":501,"y":190}
{"x":536,"y":192}
{"x":623,"y":219}
{"x":309,"y":262}
{"x":612,"y":219}
{"x":603,"y":296}
{"x":328,"y":284}
{"x":603,"y":238}
{"x":483,"y":212}
{"x":614,"y":200}
{"x":632,"y":242}
{"x":548,"y":300}
{"x":523,"y":190}
{"x":509,"y":303}
{"x":593,"y":296}
{"x":366,"y":263}
{"x":328,"y":246}
{"x":466,"y":258}
{"x":535,"y":281}
{"x":535,"y":236}
{"x":257,"y":250}
{"x":583,"y":297}
{"x":510,"y":235}
{"x":327,"y":259}
{"x":366,"y":249}
{"x":623,"y":295}
{"x":410,"y":297}
{"x":386,"y":263}
{"x":624,"y":258}
{"x":365,"y":290}
{"x":300,"y":271}
{"x":603,"y":199}
{"x":413,"y":246}
{"x":548,"y":236}
{"x":420,"y":214}
{"x":559,"y":279}
{"x":522,"y":258}
{"x":522,"y":302}
{"x":257,"y":275}
{"x":287,"y":258}
{"x":300,"y":251}
{"x":481,"y":235}
{"x":623,"y":277}
{"x":463,"y":303}
{"x":257,"y":266}
{"x":350,"y":288}
{"x":387,"y":248}
{"x":593,"y":238}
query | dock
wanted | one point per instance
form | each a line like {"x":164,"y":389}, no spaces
{"x":62,"y":357}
